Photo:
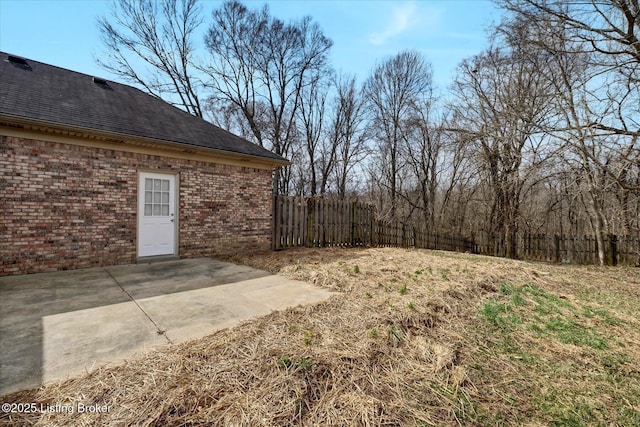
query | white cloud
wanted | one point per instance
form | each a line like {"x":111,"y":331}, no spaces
{"x":403,"y":18}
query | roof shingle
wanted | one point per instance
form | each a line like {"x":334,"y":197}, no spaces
{"x":58,"y":96}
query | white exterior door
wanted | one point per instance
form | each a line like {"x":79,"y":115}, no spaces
{"x":156,"y":214}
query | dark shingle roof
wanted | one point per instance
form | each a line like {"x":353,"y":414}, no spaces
{"x":54,"y":95}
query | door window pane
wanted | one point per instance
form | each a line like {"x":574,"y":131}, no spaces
{"x":156,"y":197}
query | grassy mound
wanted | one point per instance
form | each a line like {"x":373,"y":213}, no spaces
{"x":414,"y":337}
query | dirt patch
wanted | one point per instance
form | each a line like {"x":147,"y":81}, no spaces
{"x":415,"y":337}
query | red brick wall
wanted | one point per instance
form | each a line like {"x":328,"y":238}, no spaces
{"x":67,"y":206}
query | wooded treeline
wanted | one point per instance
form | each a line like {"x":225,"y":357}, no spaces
{"x":538,"y":134}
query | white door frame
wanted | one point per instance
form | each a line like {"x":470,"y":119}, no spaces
{"x":157,"y":244}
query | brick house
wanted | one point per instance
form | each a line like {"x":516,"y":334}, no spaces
{"x":96,"y":173}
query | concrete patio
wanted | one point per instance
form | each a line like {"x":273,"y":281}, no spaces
{"x":57,"y":325}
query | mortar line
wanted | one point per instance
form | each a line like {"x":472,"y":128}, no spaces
{"x":160,"y":331}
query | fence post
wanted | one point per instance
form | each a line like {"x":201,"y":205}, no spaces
{"x":372,"y":240}
{"x":300,"y":226}
{"x":404,"y":237}
{"x":276,"y":223}
{"x":354,"y":215}
{"x":295,"y":232}
{"x":613,"y":249}
{"x":415,"y":237}
{"x":309,"y":219}
{"x":322,"y":222}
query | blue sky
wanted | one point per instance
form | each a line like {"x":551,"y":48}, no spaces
{"x":64,"y":33}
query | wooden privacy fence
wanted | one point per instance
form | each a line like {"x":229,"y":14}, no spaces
{"x":317,"y":222}
{"x":580,"y":249}
{"x":565,"y":249}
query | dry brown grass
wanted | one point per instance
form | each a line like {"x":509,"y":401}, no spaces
{"x":411,"y":339}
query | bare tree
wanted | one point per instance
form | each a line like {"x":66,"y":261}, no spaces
{"x":260,"y":66}
{"x":581,"y":142}
{"x":347,"y":131}
{"x":423,"y":142}
{"x":594,"y":58}
{"x":504,"y":98}
{"x":605,"y":34}
{"x":150,"y":43}
{"x":459,"y":178}
{"x":391,"y":92}
{"x":320,"y":149}
{"x":609,"y":28}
